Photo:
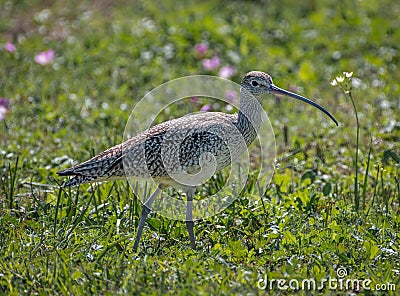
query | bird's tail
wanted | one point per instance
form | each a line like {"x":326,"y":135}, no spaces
{"x":77,"y":180}
{"x":107,"y":165}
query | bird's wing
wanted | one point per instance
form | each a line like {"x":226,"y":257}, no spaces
{"x":140,"y":156}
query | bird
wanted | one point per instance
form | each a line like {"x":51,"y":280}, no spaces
{"x":195,"y":141}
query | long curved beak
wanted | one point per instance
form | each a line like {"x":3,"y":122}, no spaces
{"x":277,"y":90}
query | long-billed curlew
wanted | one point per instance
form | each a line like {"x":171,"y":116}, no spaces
{"x":197,"y":135}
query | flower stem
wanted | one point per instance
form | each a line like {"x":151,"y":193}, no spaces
{"x":356,"y":194}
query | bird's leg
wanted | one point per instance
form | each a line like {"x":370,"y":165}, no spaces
{"x":145,"y":211}
{"x":189,"y":216}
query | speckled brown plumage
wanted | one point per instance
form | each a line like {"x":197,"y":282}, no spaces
{"x":193,"y":135}
{"x":184,"y":140}
{"x":222,"y":135}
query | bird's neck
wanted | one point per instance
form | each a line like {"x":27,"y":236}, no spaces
{"x":249,"y":117}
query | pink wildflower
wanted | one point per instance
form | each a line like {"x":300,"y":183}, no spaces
{"x":45,"y":57}
{"x":4,"y":104}
{"x":231,"y":96}
{"x":205,"y":108}
{"x":201,"y":49}
{"x":211,"y":64}
{"x":10,"y":47}
{"x":226,"y":72}
{"x":194,"y":99}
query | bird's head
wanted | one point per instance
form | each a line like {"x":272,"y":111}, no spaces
{"x":258,"y":83}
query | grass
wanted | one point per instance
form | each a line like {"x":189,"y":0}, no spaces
{"x":110,"y":54}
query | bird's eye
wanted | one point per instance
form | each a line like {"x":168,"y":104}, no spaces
{"x":254,"y":83}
